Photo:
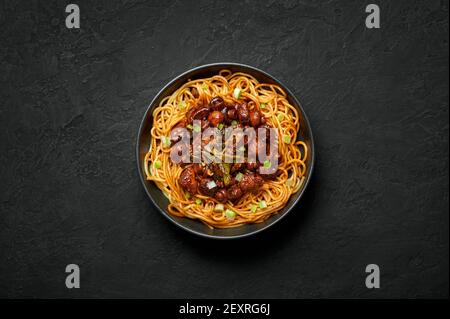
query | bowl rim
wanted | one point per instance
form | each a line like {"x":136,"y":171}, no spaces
{"x":225,"y":65}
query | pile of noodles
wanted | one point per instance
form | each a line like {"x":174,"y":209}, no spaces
{"x":279,"y":113}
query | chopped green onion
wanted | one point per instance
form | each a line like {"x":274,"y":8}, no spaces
{"x":237,"y":93}
{"x":182,"y":105}
{"x":157,"y":164}
{"x":290,"y":182}
{"x":262,"y":105}
{"x":230,"y":214}
{"x":197,"y":128}
{"x":280,"y":117}
{"x":211,"y":184}
{"x":267,"y":164}
{"x":219,"y":208}
{"x":253,"y":208}
{"x":262,"y":204}
{"x":198,"y":201}
{"x":239,"y":176}
{"x":187,"y":195}
{"x":166,"y":141}
{"x":220,"y":126}
{"x":234,"y":123}
{"x":189,"y":126}
{"x":204,"y":86}
{"x":287,"y":139}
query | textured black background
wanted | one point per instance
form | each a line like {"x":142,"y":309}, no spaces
{"x":71,"y":102}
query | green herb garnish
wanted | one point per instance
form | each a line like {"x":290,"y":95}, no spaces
{"x":287,"y":139}
{"x":166,"y":141}
{"x":237,"y":93}
{"x":230,"y":214}
{"x":280,"y":117}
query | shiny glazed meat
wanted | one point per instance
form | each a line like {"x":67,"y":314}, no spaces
{"x":223,"y":181}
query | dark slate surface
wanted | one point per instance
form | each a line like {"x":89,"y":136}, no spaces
{"x":72,"y":100}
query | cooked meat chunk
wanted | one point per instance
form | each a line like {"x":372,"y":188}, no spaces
{"x":217,"y":104}
{"x":234,"y":192}
{"x":197,"y":113}
{"x":207,"y":186}
{"x":263,"y":120}
{"x":215,"y":118}
{"x":237,"y":167}
{"x":221,"y":195}
{"x":243,"y":113}
{"x":269,"y":176}
{"x":251,"y":183}
{"x":252,"y":166}
{"x":189,"y":115}
{"x":231,"y":114}
{"x":200,"y":114}
{"x":198,"y":169}
{"x":188,"y":181}
{"x":217,"y":170}
{"x":255,"y":118}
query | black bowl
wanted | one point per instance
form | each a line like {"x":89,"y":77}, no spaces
{"x":158,"y":198}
